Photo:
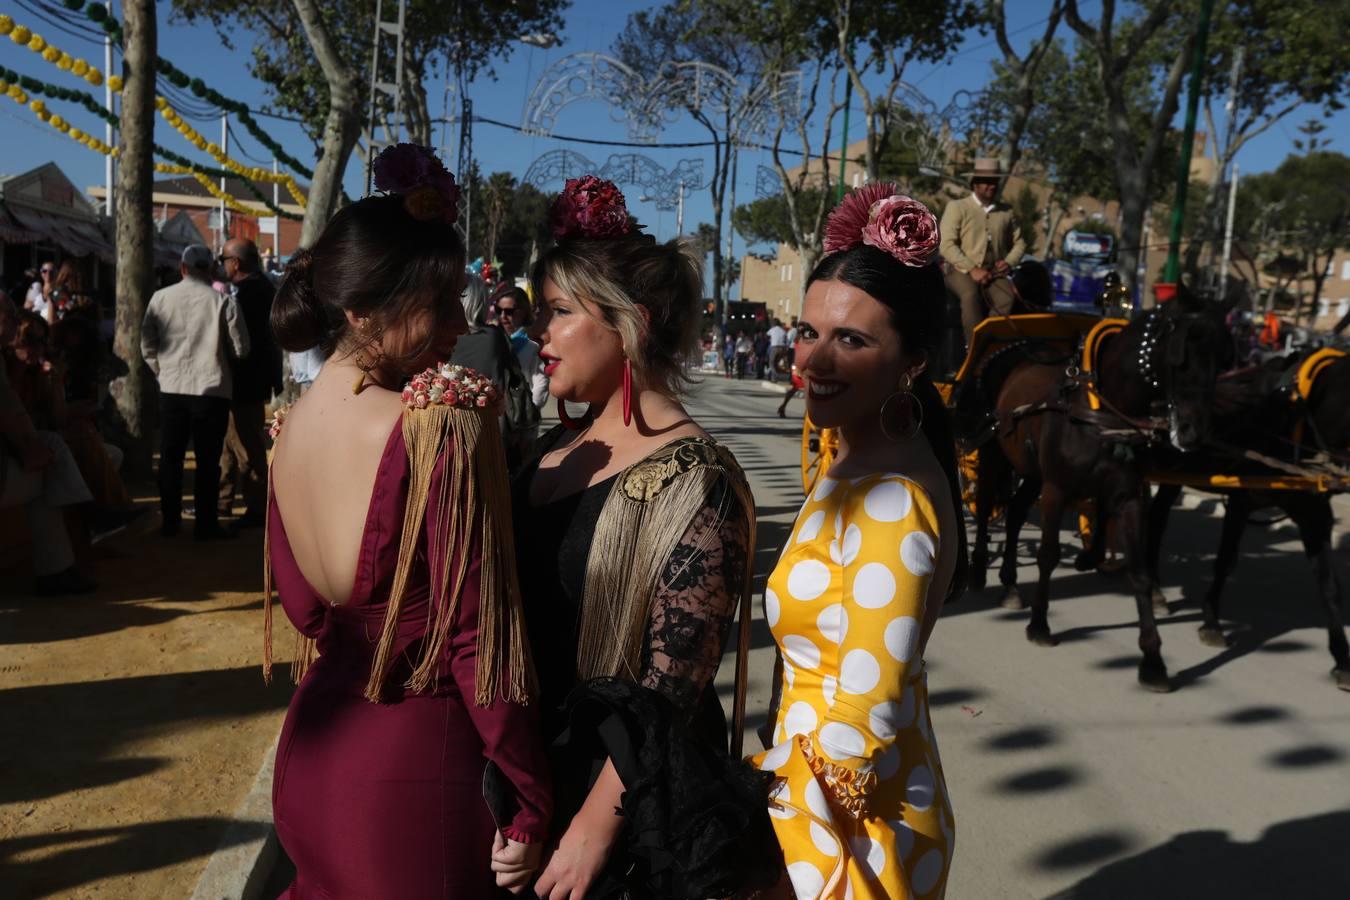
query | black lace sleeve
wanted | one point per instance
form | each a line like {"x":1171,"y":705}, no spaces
{"x":696,"y":601}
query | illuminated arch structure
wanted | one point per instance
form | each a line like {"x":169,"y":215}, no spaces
{"x":553,"y":168}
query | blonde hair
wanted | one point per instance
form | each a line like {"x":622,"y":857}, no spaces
{"x":619,"y":275}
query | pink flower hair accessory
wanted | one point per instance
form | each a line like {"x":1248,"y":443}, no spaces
{"x":878,"y":215}
{"x":447,"y":385}
{"x":414,"y":173}
{"x":589,"y":207}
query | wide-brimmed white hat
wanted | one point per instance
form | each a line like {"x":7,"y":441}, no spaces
{"x":986,"y":167}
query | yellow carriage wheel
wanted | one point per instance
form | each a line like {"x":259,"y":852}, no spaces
{"x":819,"y":448}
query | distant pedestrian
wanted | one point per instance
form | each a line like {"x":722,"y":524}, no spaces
{"x":188,"y":338}
{"x":761,"y":354}
{"x":778,"y":344}
{"x":257,"y":379}
{"x":745,"y":354}
{"x":729,"y":355}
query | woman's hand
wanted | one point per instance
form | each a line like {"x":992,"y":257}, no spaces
{"x":578,"y":859}
{"x":514,"y":862}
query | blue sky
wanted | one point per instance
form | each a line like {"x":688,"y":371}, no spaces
{"x":591,"y":25}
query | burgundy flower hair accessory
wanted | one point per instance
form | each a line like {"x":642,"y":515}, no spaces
{"x":589,"y":207}
{"x":414,"y":173}
{"x":878,"y":215}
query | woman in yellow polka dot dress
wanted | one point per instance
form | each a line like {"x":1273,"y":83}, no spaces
{"x":860,"y":806}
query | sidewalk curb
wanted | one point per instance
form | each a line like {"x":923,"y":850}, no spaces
{"x":243,"y":860}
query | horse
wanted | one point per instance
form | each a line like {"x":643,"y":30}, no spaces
{"x":1253,"y":411}
{"x":1065,"y":450}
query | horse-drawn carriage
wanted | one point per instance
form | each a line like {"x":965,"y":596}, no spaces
{"x":1086,"y":412}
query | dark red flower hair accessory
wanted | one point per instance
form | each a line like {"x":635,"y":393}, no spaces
{"x":414,"y":173}
{"x":878,"y":215}
{"x":589,"y":207}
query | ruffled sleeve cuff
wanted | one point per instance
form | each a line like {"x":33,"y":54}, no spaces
{"x":850,"y":789}
{"x":520,"y":835}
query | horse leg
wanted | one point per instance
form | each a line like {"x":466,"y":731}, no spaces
{"x":1230,"y":541}
{"x":1014,"y":518}
{"x":1314,"y":518}
{"x":1047,"y":557}
{"x":1159,"y":512}
{"x":1132,"y":524}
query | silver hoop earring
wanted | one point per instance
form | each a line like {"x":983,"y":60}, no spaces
{"x":915,"y":411}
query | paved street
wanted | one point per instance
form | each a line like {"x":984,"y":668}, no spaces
{"x":1070,"y":781}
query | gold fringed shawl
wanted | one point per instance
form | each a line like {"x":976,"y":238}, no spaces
{"x":648,"y":511}
{"x":474,"y":488}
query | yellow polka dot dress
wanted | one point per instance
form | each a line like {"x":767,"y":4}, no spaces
{"x":860,"y":807}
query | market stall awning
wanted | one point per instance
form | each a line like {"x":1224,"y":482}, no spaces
{"x":74,"y":236}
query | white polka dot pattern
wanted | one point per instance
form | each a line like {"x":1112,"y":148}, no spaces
{"x":811,"y":527}
{"x":873,"y":586}
{"x":902,"y":638}
{"x":888,"y":501}
{"x":927,"y":871}
{"x":801,"y":651}
{"x":846,"y":610}
{"x":860,"y":672}
{"x":918,"y":554}
{"x":808,"y":579}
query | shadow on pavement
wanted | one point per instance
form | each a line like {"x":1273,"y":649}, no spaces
{"x":74,"y":858}
{"x":1300,"y":858}
{"x":73,"y":734}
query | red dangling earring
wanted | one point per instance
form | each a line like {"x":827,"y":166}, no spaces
{"x":627,"y":393}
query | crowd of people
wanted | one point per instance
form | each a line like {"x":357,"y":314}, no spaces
{"x":561,"y":619}
{"x":763,"y":352}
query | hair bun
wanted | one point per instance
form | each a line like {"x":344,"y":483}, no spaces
{"x":299,"y":320}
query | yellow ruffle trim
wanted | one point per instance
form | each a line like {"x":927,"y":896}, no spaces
{"x":849,"y":787}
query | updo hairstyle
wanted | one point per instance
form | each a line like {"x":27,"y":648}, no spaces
{"x":618,"y":275}
{"x":373,"y":259}
{"x":916,"y":297}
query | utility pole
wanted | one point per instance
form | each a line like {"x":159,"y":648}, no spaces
{"x":224,"y":187}
{"x":1228,"y":233}
{"x":108,"y":137}
{"x":276,"y":214}
{"x":731,"y":212}
{"x":1172,"y":271}
{"x":679,"y":211}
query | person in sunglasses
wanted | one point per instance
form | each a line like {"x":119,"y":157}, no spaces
{"x":38,"y":292}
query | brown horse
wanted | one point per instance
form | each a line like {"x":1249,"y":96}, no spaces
{"x":1155,"y":377}
{"x":1253,"y":411}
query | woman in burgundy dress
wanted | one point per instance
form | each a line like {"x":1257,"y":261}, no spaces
{"x":389,"y":542}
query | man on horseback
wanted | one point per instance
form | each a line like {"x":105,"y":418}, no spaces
{"x":981,"y":244}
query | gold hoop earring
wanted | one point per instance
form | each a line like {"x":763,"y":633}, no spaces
{"x":906,"y":395}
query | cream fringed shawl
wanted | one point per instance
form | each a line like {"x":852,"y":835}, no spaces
{"x":474,"y":491}
{"x":648,"y":511}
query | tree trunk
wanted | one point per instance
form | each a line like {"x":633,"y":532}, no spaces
{"x":340,"y":128}
{"x":135,"y":225}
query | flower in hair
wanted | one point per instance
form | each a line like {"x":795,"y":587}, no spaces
{"x":589,"y":207}
{"x":879,"y":216}
{"x":448,"y":385}
{"x":414,"y":173}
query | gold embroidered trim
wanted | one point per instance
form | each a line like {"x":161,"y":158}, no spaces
{"x":849,"y":787}
{"x":645,"y":480}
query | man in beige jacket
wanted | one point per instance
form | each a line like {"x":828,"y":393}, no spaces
{"x":981,"y":244}
{"x":189,"y":337}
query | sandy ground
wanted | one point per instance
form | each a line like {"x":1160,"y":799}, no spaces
{"x":135,"y":718}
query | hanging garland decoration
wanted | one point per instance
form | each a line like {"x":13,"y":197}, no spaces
{"x":13,"y":86}
{"x":255,"y":173}
{"x":21,"y":35}
{"x":98,"y":13}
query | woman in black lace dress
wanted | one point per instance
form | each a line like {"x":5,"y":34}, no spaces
{"x":637,"y":529}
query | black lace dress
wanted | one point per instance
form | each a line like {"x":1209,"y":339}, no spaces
{"x":696,"y":820}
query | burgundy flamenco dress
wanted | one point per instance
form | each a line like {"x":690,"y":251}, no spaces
{"x":385,"y":799}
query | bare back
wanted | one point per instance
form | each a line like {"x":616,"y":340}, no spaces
{"x":323,"y":475}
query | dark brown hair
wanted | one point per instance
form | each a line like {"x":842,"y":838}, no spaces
{"x":372,"y":259}
{"x":617,"y":275}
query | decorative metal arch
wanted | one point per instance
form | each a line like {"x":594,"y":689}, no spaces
{"x":647,"y":105}
{"x":663,"y":186}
